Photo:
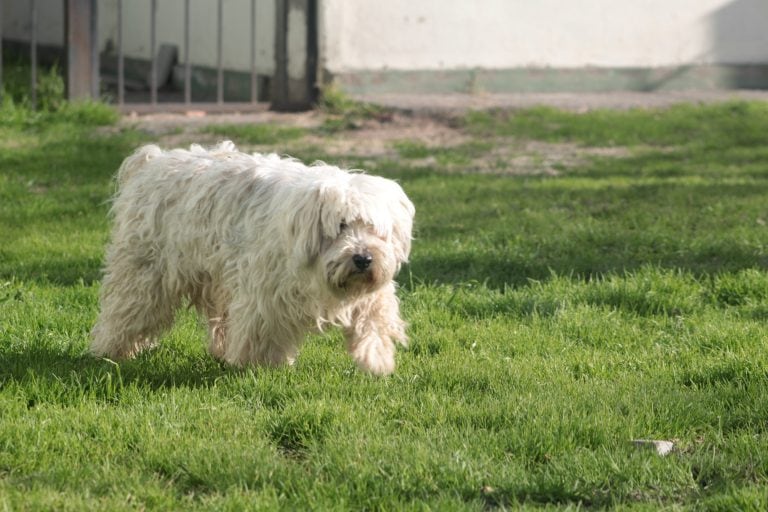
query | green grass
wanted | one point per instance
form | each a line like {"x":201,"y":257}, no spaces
{"x":255,"y":133}
{"x":342,"y":113}
{"x":460,"y":154}
{"x":553,"y":320}
{"x":51,"y":106}
{"x":720,"y":125}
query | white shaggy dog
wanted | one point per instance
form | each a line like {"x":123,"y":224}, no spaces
{"x":265,"y":248}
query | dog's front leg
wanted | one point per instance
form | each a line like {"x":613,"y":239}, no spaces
{"x":375,"y":329}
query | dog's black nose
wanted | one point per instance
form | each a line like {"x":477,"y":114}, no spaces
{"x":362,"y":261}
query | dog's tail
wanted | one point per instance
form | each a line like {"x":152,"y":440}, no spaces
{"x":133,"y":163}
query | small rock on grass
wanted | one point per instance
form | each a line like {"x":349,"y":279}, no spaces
{"x":662,"y":448}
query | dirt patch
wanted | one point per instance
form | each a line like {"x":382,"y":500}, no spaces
{"x":519,"y":158}
{"x":375,"y":139}
{"x":192,"y":120}
{"x":535,"y":157}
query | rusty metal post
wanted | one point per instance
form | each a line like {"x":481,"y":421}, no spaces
{"x":220,"y":53}
{"x":33,"y":53}
{"x":295,"y":55}
{"x":120,"y":56}
{"x":82,"y":50}
{"x":187,"y":69}
{"x":152,"y":53}
{"x":1,"y":52}
{"x":254,"y":87}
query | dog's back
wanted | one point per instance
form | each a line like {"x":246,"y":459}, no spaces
{"x":136,"y":161}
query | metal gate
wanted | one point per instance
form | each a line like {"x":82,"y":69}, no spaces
{"x":164,"y":81}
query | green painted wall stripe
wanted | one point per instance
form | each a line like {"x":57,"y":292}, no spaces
{"x":555,"y":80}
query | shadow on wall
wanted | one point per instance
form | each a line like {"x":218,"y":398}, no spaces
{"x":740,"y":39}
{"x":737,"y":57}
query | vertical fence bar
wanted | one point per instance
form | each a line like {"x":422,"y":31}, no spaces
{"x":254,"y":91}
{"x":279,"y":97}
{"x":187,"y":69}
{"x":120,"y":56}
{"x":153,"y":57}
{"x":219,"y":56}
{"x":33,"y":52}
{"x":1,"y":51}
{"x":93,"y":30}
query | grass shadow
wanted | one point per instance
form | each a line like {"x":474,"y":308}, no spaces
{"x":505,"y":231}
{"x":568,"y":257}
{"x":50,"y":374}
{"x":57,"y":271}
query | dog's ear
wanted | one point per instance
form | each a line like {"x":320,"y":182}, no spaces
{"x":317,"y":218}
{"x":382,"y":203}
{"x":402,"y":212}
{"x":303,"y":231}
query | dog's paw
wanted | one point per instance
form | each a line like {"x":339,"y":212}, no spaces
{"x":375,"y":356}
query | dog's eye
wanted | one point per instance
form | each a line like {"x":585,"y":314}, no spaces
{"x":342,"y":226}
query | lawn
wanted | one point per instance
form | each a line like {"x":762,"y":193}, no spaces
{"x":555,"y":318}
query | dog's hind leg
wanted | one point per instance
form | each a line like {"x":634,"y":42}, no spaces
{"x":252,"y":341}
{"x":217,"y":335}
{"x":211,"y":306}
{"x":253,"y":350}
{"x":217,"y":332}
{"x":135,"y":308}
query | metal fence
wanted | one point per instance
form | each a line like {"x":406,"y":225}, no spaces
{"x":153,"y":86}
{"x":82,"y":59}
{"x":79,"y":49}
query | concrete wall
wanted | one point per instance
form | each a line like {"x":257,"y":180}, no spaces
{"x":50,"y":24}
{"x":502,"y":34}
{"x":544,"y":45}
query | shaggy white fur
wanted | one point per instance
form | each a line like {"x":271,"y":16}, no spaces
{"x":265,"y":248}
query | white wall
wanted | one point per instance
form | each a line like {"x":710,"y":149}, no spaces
{"x":50,"y":24}
{"x":498,"y":34}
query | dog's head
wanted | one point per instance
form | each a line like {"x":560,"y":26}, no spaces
{"x":356,"y":230}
